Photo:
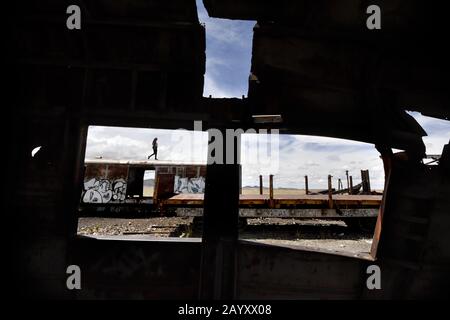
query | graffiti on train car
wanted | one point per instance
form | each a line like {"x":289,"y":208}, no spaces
{"x":104,"y":190}
{"x":189,"y":185}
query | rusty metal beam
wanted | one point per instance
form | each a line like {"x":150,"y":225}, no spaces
{"x":283,"y":200}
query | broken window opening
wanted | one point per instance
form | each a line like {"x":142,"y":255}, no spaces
{"x":278,"y":181}
{"x":438,"y":135}
{"x":35,"y":151}
{"x":149,"y":183}
{"x":125,"y":193}
{"x":316,"y":192}
{"x":228,"y":55}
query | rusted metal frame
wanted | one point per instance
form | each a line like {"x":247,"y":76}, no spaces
{"x":348,"y":181}
{"x":261,"y":188}
{"x":386,"y":156}
{"x":330,"y":193}
{"x":365,"y":178}
{"x":343,"y":191}
{"x":306,"y":185}
{"x":350,"y":190}
{"x":368,"y":181}
{"x":280,"y":201}
{"x":271,"y":200}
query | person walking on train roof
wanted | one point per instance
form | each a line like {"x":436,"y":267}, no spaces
{"x":155,"y":149}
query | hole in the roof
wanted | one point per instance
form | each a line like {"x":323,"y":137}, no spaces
{"x":228,"y":55}
{"x":438,"y":132}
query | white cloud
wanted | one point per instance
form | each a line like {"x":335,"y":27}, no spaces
{"x":438,"y":132}
{"x":212,"y":88}
{"x":228,"y":55}
{"x":225,"y":31}
{"x":327,"y":156}
{"x":136,"y":144}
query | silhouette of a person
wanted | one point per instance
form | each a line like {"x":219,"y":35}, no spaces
{"x":155,"y":149}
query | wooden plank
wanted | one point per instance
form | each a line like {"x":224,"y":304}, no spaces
{"x":281,"y":200}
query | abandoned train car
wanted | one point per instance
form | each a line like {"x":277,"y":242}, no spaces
{"x":136,"y":187}
{"x":142,"y":188}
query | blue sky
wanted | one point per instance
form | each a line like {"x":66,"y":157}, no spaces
{"x":228,"y":55}
{"x":438,"y":132}
{"x":228,"y":58}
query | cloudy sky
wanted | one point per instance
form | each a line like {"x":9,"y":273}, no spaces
{"x":228,"y":57}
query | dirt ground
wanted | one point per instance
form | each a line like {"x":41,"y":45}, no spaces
{"x":159,"y":226}
{"x":314,"y":233}
{"x":323,"y":234}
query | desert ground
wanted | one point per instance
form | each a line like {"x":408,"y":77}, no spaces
{"x":313,"y":233}
{"x":329,"y":235}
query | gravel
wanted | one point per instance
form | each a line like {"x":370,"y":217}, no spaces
{"x":314,"y":233}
